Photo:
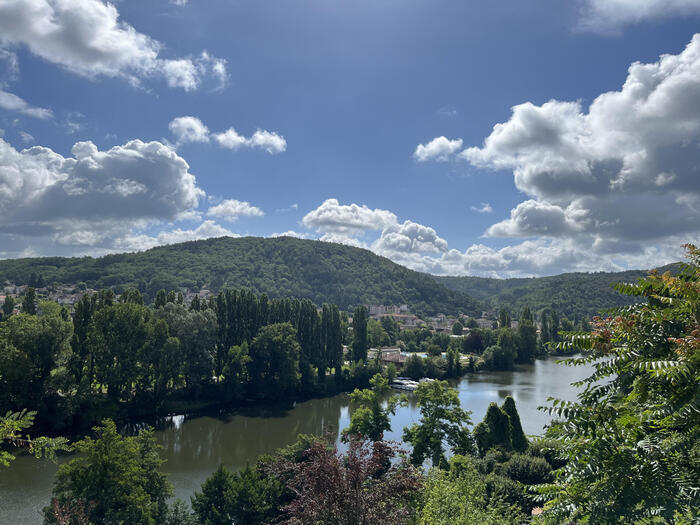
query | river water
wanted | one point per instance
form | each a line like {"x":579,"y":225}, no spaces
{"x":195,"y":446}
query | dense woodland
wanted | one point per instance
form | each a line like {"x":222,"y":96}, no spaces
{"x":278,"y":267}
{"x":578,"y":296}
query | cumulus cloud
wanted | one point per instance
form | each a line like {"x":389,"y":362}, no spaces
{"x":485,"y":207}
{"x":620,"y":174}
{"x":292,"y":233}
{"x":439,"y":149}
{"x":139,"y":242}
{"x":87,"y":38}
{"x":12,"y":102}
{"x":192,"y":129}
{"x":350,"y":223}
{"x":231,"y":209}
{"x":94,"y":197}
{"x":611,"y":15}
{"x":188,"y":129}
{"x":347,"y":219}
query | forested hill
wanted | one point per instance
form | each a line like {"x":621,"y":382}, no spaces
{"x":280,"y":267}
{"x":574,"y":295}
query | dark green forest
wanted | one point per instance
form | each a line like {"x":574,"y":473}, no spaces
{"x":278,"y":267}
{"x":574,"y":295}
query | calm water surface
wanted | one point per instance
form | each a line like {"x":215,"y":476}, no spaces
{"x":195,"y":446}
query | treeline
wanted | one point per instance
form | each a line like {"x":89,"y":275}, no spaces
{"x":278,"y":267}
{"x":578,"y":296}
{"x":119,"y":357}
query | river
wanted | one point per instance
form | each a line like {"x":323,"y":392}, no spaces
{"x":195,"y":446}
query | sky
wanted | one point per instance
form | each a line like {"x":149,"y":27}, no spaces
{"x":501,"y":139}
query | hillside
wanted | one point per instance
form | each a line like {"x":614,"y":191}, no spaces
{"x":279,"y":267}
{"x":574,"y":295}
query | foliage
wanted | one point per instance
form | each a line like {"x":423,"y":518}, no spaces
{"x":13,"y":424}
{"x":519,"y":440}
{"x":576,"y":295}
{"x":526,"y":469}
{"x":494,"y":431}
{"x":632,"y":438}
{"x":248,"y":496}
{"x":363,"y":486}
{"x":459,"y":496}
{"x":118,"y":476}
{"x":279,"y":267}
{"x":370,"y":419}
{"x":442,"y":420}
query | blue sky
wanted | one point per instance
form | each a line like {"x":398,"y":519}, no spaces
{"x":371,"y":123}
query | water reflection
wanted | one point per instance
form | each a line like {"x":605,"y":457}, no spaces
{"x":195,"y":445}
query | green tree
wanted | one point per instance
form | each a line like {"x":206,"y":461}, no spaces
{"x":527,"y":341}
{"x":518,"y":438}
{"x":459,"y":496}
{"x":494,"y":431}
{"x":8,"y":307}
{"x":246,"y":497}
{"x":632,"y":438}
{"x":359,"y":331}
{"x":371,"y":416}
{"x":118,"y":475}
{"x":414,"y":367}
{"x":457,"y":328}
{"x":29,"y":302}
{"x":161,"y":298}
{"x":274,"y":367}
{"x":442,"y":420}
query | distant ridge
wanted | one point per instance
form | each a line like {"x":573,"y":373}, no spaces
{"x":574,"y":295}
{"x":279,"y":267}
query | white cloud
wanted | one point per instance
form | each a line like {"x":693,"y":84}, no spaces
{"x":623,"y":173}
{"x":192,"y":129}
{"x":231,"y":209}
{"x":269,"y":141}
{"x":335,"y":218}
{"x":440,"y":149}
{"x":292,"y":233}
{"x":484,"y":208}
{"x":92,"y":198}
{"x":12,"y":102}
{"x":409,"y":237}
{"x":139,"y":242}
{"x":87,"y":37}
{"x":611,"y":15}
{"x":189,"y":129}
{"x":27,"y":138}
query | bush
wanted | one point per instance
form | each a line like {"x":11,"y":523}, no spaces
{"x":526,"y":469}
{"x":505,"y":490}
{"x":550,"y":450}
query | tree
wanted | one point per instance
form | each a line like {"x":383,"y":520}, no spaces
{"x":370,"y":419}
{"x":161,"y":298}
{"x":363,"y":486}
{"x":247,"y":496}
{"x":527,"y":341}
{"x":457,"y":328}
{"x":359,"y":331}
{"x":274,"y":367}
{"x":494,"y":431}
{"x":29,"y":302}
{"x":118,"y":475}
{"x":504,"y":318}
{"x":518,"y":438}
{"x":632,"y":438}
{"x":413,"y":367}
{"x":8,"y":307}
{"x":442,"y":420}
{"x":459,"y":496}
